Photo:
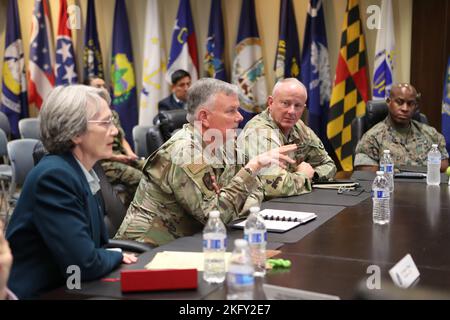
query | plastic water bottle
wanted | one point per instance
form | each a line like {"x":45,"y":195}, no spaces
{"x":387,"y":166}
{"x":434,"y":166}
{"x":256,"y":236}
{"x":380,"y":196}
{"x":240,"y":279}
{"x":214,"y":246}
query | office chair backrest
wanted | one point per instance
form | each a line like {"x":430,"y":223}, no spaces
{"x":20,"y":153}
{"x":4,"y":124}
{"x":140,"y":140}
{"x":29,"y":128}
{"x":3,"y":148}
{"x":170,"y":121}
{"x":154,"y":139}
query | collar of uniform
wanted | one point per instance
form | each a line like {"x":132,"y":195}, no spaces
{"x":400,"y":130}
{"x":200,"y":146}
{"x":91,"y":177}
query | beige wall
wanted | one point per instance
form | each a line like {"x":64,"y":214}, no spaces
{"x":267,"y":12}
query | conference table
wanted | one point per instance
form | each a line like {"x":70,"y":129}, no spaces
{"x":335,"y":254}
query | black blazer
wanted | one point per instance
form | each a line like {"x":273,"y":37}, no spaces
{"x":169,"y":103}
{"x":57,"y":223}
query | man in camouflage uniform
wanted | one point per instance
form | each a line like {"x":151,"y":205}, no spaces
{"x":408,"y":140}
{"x":188,"y":177}
{"x":123,"y":167}
{"x":280,"y":125}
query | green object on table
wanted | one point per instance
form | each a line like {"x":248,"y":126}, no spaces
{"x":279,"y":263}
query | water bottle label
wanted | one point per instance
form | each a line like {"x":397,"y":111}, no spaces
{"x":243,"y":279}
{"x":382,"y":167}
{"x":434,"y":160}
{"x":389,"y":168}
{"x":256,"y":237}
{"x":379,"y":194}
{"x":215,"y":243}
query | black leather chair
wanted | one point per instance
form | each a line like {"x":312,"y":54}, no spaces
{"x":376,"y":111}
{"x":114,"y":208}
{"x":170,"y":121}
{"x":154,"y":139}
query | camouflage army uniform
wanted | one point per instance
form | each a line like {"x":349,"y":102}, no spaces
{"x":121,"y":173}
{"x":262,"y":134}
{"x":408,"y":148}
{"x":176,"y":192}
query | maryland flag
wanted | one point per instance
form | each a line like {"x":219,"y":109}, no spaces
{"x":350,"y":89}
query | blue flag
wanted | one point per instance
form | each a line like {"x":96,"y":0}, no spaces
{"x":183,"y":52}
{"x":315,"y":73}
{"x":446,"y":107}
{"x":92,"y":55}
{"x":14,"y":102}
{"x":214,"y":61}
{"x":287,"y":60}
{"x":248,"y":66}
{"x":124,"y":98}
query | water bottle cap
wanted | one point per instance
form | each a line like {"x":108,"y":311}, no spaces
{"x":380,"y":173}
{"x":386,"y":151}
{"x":214,"y":214}
{"x":240,"y":243}
{"x":434,"y":145}
{"x":254,"y":209}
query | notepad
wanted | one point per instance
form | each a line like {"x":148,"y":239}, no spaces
{"x":282,"y":220}
{"x":335,"y":184}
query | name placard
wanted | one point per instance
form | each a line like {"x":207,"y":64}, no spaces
{"x":405,"y":272}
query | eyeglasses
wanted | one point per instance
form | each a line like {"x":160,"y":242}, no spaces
{"x":105,"y":123}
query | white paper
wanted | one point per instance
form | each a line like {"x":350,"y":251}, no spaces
{"x":180,"y":260}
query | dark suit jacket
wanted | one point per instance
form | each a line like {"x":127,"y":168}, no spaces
{"x":169,"y":103}
{"x":57,"y":223}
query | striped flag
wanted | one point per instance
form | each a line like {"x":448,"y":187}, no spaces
{"x":351,"y":89}
{"x":383,"y":75}
{"x":41,"y":62}
{"x":183,"y":51}
{"x":14,"y":91}
{"x":248,"y":66}
{"x":92,"y":55}
{"x":154,"y":88}
{"x":287,"y":59}
{"x":65,"y":70}
{"x":446,"y":107}
{"x":124,"y":99}
{"x":214,"y":60}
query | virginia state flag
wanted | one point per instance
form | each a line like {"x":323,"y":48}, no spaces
{"x":92,"y":55}
{"x":41,"y":62}
{"x":154,"y":88}
{"x":214,"y":61}
{"x":351,"y":87}
{"x":315,"y":73}
{"x":383,"y":75}
{"x":14,"y":91}
{"x":248,"y":67}
{"x":446,"y":107}
{"x":65,"y":69}
{"x":183,"y":52}
{"x":287,"y":60}
{"x":124,"y":99}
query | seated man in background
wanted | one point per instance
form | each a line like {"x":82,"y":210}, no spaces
{"x":123,"y":167}
{"x":408,"y":140}
{"x":280,"y":125}
{"x":188,"y":178}
{"x":181,"y":81}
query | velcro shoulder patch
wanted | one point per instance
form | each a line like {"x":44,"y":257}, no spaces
{"x":196,"y":167}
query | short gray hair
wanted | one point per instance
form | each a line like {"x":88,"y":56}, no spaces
{"x":203,"y":91}
{"x":289,"y":80}
{"x":65,"y":114}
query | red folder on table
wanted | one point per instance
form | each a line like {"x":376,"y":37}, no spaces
{"x":151,"y":280}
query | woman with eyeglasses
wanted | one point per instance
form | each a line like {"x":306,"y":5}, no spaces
{"x":56,"y":232}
